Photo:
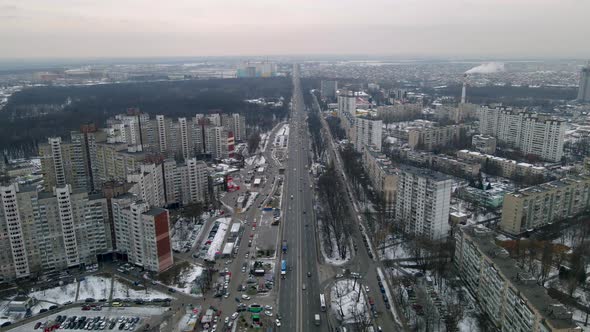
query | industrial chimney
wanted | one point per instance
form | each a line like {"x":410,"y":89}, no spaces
{"x":464,"y":90}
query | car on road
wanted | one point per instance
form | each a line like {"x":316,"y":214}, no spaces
{"x":339,"y":275}
{"x":367,"y":289}
{"x":243,"y":269}
{"x":278,"y":322}
{"x":268,"y":313}
{"x":268,"y":307}
{"x":172,"y":290}
{"x":226,"y":320}
{"x":235,"y":315}
{"x":246,"y":297}
{"x":303,"y":287}
{"x":308,"y":274}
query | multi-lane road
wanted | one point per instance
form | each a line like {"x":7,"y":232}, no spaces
{"x":299,"y":290}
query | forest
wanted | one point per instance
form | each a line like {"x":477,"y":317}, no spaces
{"x":39,"y":112}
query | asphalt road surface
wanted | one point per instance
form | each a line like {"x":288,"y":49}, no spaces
{"x":297,"y":305}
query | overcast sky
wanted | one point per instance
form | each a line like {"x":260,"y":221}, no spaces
{"x":145,"y":28}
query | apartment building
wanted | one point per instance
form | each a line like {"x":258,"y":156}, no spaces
{"x":484,"y":143}
{"x":506,"y":167}
{"x":329,"y":89}
{"x":422,"y":202}
{"x":532,"y":133}
{"x":72,"y":162}
{"x":50,"y":231}
{"x":236,"y":124}
{"x":114,"y":162}
{"x":439,"y":162}
{"x":546,"y":203}
{"x":142,"y":233}
{"x":368,"y":131}
{"x":428,"y":138}
{"x":509,"y":296}
{"x":382,"y":174}
{"x":165,"y":182}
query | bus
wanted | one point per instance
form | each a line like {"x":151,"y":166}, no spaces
{"x":283,"y":267}
{"x":323,"y":302}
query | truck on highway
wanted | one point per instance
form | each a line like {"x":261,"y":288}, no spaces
{"x":283,"y":267}
{"x":284,"y":246}
{"x":317,"y":319}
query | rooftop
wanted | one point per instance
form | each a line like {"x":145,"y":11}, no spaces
{"x":155,"y":211}
{"x":535,"y":295}
{"x":425,"y":172}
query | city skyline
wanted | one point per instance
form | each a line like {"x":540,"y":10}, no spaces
{"x":493,"y":28}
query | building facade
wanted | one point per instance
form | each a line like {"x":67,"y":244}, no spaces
{"x":584,"y":87}
{"x":43,"y":231}
{"x":509,"y":296}
{"x":484,"y":143}
{"x":422,"y":202}
{"x":541,"y":205}
{"x":382,"y":174}
{"x":428,"y":138}
{"x":532,"y":133}
{"x":142,"y":233}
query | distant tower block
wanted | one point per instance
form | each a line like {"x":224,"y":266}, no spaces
{"x":584,"y":88}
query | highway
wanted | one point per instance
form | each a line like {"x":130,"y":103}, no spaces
{"x":298,"y":306}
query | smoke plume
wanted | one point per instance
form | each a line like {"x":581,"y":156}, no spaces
{"x":487,"y":68}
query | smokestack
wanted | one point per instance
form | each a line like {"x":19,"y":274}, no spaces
{"x":464,"y":90}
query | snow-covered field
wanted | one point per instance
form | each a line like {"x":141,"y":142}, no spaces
{"x":61,"y":294}
{"x":393,"y":248}
{"x":94,"y":287}
{"x":185,"y":280}
{"x":343,"y":299}
{"x":122,"y":290}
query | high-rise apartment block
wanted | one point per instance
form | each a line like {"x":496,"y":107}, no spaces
{"x":329,"y":89}
{"x":541,"y":205}
{"x":422,"y":202}
{"x":509,"y":296}
{"x":142,"y":233}
{"x":584,"y":87}
{"x":368,"y":131}
{"x":361,"y":128}
{"x":165,"y":182}
{"x":50,"y":231}
{"x":532,"y":133}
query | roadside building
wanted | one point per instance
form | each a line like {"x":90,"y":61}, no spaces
{"x":509,"y":296}
{"x":546,"y":203}
{"x":422,"y":202}
{"x":484,"y":143}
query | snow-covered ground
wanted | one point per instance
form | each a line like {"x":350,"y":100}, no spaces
{"x":122,"y":290}
{"x":218,"y":238}
{"x":343,"y":299}
{"x":94,"y":287}
{"x":251,"y":199}
{"x":393,"y":248}
{"x":185,"y":281}
{"x":61,"y":294}
{"x":335,"y":258}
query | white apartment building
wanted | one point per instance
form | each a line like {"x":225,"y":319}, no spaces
{"x":46,"y":231}
{"x":142,"y":233}
{"x":368,"y":132}
{"x":509,"y":296}
{"x":164,"y":183}
{"x":162,"y":126}
{"x":532,"y":133}
{"x":422,"y":202}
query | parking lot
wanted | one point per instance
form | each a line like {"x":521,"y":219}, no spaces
{"x":115,"y":319}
